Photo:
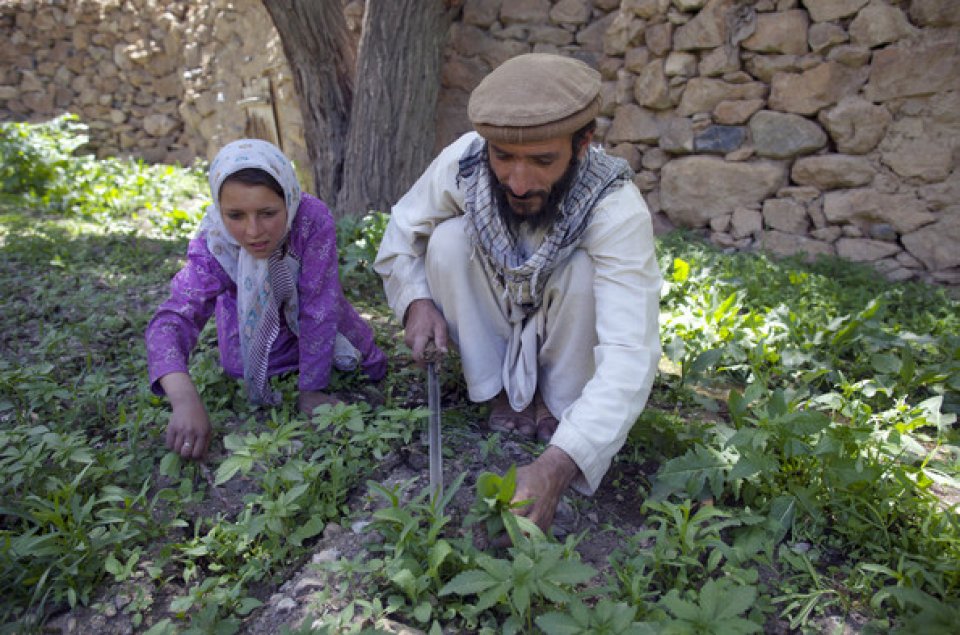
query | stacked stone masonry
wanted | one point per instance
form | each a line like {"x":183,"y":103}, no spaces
{"x":794,"y":126}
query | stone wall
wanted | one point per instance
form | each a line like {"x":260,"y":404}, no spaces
{"x":166,"y":81}
{"x":794,"y":126}
{"x":811,"y":127}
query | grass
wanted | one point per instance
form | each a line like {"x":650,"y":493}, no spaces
{"x":813,"y":405}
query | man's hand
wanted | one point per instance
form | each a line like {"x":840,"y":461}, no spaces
{"x":307,"y":400}
{"x":543,"y":482}
{"x":424,"y":323}
{"x":188,"y":433}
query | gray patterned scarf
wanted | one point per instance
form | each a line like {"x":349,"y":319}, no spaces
{"x":523,"y":280}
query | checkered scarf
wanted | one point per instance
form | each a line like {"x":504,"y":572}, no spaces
{"x":523,"y":280}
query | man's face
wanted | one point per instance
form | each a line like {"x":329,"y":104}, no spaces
{"x":528,"y":173}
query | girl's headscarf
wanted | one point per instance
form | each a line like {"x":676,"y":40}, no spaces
{"x":264,"y":285}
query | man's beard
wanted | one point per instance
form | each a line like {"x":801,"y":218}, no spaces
{"x":552,"y":199}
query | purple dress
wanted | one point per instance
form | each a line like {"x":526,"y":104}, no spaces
{"x":202,"y":287}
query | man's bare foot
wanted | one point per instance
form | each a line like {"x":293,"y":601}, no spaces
{"x":546,"y":422}
{"x":503,"y":418}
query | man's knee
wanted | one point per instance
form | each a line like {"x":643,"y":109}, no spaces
{"x":449,"y":246}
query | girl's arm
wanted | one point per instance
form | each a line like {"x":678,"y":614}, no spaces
{"x":175,"y":327}
{"x":170,"y":338}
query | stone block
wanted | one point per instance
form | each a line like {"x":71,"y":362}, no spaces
{"x":634,"y":124}
{"x":879,"y":23}
{"x":855,"y":124}
{"x":783,"y":244}
{"x":719,"y":139}
{"x":822,"y":86}
{"x":736,"y":112}
{"x":695,"y":189}
{"x":707,"y":30}
{"x":651,"y":89}
{"x":832,"y":171}
{"x":785,"y":215}
{"x":936,"y":244}
{"x":865,"y":249}
{"x":575,"y":12}
{"x":702,"y":94}
{"x":829,"y":10}
{"x":904,"y":212}
{"x":783,"y":135}
{"x":824,"y":35}
{"x":524,"y":11}
{"x":781,"y":32}
{"x":918,"y":68}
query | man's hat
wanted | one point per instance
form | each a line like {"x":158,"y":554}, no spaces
{"x":534,"y":97}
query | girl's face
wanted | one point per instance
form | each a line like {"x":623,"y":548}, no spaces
{"x":254,"y":215}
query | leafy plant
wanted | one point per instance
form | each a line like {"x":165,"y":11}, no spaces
{"x":494,"y":507}
{"x":717,"y":609}
{"x":537,"y":573}
{"x":606,"y":618}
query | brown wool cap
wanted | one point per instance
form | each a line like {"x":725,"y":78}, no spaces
{"x":534,"y":97}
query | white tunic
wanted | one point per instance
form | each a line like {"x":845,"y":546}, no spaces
{"x":626,"y":284}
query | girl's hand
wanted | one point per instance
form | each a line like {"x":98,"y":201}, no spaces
{"x":310,"y":399}
{"x":189,"y":430}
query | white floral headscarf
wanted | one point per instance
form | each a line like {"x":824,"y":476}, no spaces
{"x":256,"y":278}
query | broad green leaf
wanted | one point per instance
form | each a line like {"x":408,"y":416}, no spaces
{"x":112,"y":565}
{"x":571,"y":572}
{"x":437,"y":554}
{"x":248,"y":604}
{"x":488,"y":485}
{"x":492,"y":596}
{"x":423,"y":612}
{"x":885,"y":363}
{"x":508,"y":486}
{"x":682,"y":609}
{"x":309,"y":529}
{"x":170,"y":465}
{"x":554,"y":623}
{"x":469,"y":582}
{"x":705,"y":361}
{"x":783,"y":512}
{"x":690,"y":472}
{"x":229,"y":468}
{"x":733,"y":600}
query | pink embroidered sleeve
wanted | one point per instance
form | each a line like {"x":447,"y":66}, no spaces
{"x":173,"y":332}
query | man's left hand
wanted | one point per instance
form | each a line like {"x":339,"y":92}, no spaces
{"x":543,"y":482}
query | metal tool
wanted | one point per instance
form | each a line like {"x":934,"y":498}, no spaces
{"x":432,"y":357}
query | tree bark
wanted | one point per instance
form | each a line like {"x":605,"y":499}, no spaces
{"x":322,"y":58}
{"x":394,"y":108}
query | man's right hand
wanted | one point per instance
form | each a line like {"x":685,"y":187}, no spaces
{"x":188,"y":433}
{"x":424,"y":323}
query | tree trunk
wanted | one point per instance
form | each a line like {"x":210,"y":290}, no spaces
{"x":392,"y":121}
{"x":322,"y":58}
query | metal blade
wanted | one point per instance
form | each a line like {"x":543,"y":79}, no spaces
{"x":433,"y":432}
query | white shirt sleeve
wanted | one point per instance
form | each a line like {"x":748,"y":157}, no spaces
{"x":626,"y":291}
{"x":434,"y":198}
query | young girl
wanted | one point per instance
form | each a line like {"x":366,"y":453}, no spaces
{"x":265,"y":259}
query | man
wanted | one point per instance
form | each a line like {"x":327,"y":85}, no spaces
{"x":534,"y":254}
